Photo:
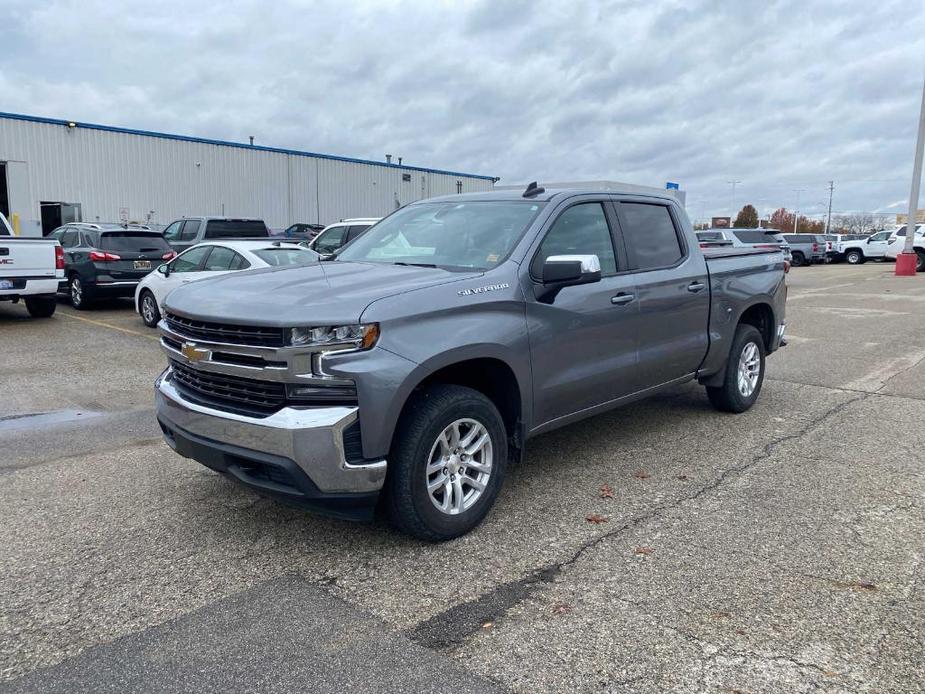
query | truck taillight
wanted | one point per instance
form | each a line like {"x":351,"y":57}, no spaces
{"x":169,"y":255}
{"x":59,"y":258}
{"x":103,"y":257}
{"x":815,"y":248}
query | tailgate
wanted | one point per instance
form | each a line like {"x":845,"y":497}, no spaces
{"x":27,"y":257}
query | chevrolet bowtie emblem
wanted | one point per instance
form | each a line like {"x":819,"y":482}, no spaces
{"x":194,"y":353}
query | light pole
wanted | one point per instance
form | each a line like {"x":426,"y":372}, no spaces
{"x":733,"y":184}
{"x":906,"y":261}
{"x":796,"y":212}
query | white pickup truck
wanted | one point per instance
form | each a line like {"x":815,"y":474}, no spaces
{"x":30,"y":269}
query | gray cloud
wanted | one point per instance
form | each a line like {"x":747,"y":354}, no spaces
{"x":778,"y":95}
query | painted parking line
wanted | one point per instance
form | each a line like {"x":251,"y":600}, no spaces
{"x":109,"y":325}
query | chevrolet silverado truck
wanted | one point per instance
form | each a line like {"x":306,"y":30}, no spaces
{"x":30,"y":270}
{"x":408,"y":370}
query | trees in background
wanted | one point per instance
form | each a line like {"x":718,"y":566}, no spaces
{"x":747,"y":218}
{"x":783,"y":219}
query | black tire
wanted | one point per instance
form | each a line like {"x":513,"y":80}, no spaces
{"x":145,"y":311}
{"x":407,"y":499}
{"x":728,"y":397}
{"x":41,"y":306}
{"x":79,"y":293}
{"x":919,"y":260}
{"x":798,"y":259}
{"x":854,"y":257}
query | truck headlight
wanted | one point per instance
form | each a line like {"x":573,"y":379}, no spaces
{"x":355,"y":336}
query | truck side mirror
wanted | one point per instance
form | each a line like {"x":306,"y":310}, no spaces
{"x":560,"y":271}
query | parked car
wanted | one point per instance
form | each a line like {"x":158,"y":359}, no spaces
{"x":897,"y":244}
{"x":211,"y":259}
{"x":340,"y":233}
{"x":746,"y":238}
{"x":849,"y":247}
{"x":187,"y":232}
{"x":417,"y":363}
{"x":303,"y":232}
{"x":30,"y":270}
{"x":872,"y":247}
{"x":806,"y":249}
{"x":107,"y":260}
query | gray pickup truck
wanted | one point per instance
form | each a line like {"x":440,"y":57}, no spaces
{"x":410,"y":369}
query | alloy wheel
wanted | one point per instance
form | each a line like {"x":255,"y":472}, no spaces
{"x":459,"y":466}
{"x":749,"y":369}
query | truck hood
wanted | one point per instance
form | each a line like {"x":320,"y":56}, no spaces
{"x":327,"y":293}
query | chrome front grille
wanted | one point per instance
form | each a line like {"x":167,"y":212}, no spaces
{"x":225,"y":333}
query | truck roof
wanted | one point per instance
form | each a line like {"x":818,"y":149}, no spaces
{"x":550,"y":193}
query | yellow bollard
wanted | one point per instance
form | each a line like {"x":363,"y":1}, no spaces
{"x":15,"y":222}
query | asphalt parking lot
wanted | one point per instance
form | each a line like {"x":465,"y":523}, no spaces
{"x":778,"y":550}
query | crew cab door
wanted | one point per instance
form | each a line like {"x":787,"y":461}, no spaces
{"x":875,"y":246}
{"x":673,"y":290}
{"x":583,"y":344}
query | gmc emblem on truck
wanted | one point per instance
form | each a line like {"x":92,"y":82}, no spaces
{"x":6,"y":261}
{"x":194,"y":353}
{"x":482,"y":290}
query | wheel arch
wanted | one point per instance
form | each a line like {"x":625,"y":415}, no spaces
{"x":492,"y":375}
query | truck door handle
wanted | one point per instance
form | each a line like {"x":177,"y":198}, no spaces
{"x":622,"y":298}
{"x":696,"y":287}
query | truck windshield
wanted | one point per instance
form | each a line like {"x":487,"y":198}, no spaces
{"x":451,"y":235}
{"x":235,"y":229}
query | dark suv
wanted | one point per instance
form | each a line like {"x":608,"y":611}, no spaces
{"x":107,"y":260}
{"x":187,"y":232}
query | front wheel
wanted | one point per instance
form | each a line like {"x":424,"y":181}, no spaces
{"x":854,"y":257}
{"x":41,"y":306}
{"x":447,"y":463}
{"x":919,"y":261}
{"x":744,"y":372}
{"x":148,"y":309}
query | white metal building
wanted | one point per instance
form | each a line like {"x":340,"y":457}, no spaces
{"x":63,"y":171}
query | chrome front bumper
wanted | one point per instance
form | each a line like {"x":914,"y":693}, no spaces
{"x":311,"y":438}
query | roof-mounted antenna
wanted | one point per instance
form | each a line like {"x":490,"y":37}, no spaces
{"x":533,"y":190}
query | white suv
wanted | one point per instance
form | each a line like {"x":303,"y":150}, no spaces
{"x":897,"y":243}
{"x":333,"y":236}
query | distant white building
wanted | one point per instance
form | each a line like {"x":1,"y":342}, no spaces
{"x":54,"y":171}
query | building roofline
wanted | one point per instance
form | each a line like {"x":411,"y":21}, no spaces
{"x":226,"y":143}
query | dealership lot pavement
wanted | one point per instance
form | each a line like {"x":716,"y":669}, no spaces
{"x":779,"y":550}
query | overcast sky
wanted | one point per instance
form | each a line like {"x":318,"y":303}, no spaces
{"x":778,"y":95}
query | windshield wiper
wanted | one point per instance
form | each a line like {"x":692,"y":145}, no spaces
{"x":415,"y":264}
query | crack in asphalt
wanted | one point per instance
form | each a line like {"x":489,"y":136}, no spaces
{"x":457,"y":624}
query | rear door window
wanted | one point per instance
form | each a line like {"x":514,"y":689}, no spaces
{"x":650,"y":236}
{"x":356,"y":230}
{"x":190,"y":230}
{"x":220,"y":259}
{"x":286,"y":256}
{"x":69,"y":239}
{"x":133,"y":242}
{"x":235,"y":229}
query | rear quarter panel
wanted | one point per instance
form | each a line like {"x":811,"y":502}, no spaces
{"x":736,"y":284}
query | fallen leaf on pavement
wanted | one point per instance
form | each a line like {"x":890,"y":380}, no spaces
{"x":596,"y":519}
{"x":561,"y":608}
{"x":606,"y":491}
{"x":681,"y":477}
{"x":643,"y":550}
{"x":641,"y":475}
{"x":488,"y":625}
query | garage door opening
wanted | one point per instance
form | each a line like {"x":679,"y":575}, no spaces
{"x":4,"y":192}
{"x":54,"y":214}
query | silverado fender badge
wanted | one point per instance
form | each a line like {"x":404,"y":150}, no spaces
{"x":482,"y":290}
{"x":194,"y":353}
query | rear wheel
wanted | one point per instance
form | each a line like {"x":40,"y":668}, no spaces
{"x":744,"y":372}
{"x":41,"y":306}
{"x":854,"y":257}
{"x":148,"y":309}
{"x":80,"y":295}
{"x":920,"y":260}
{"x":447,"y":463}
{"x":798,"y":259}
